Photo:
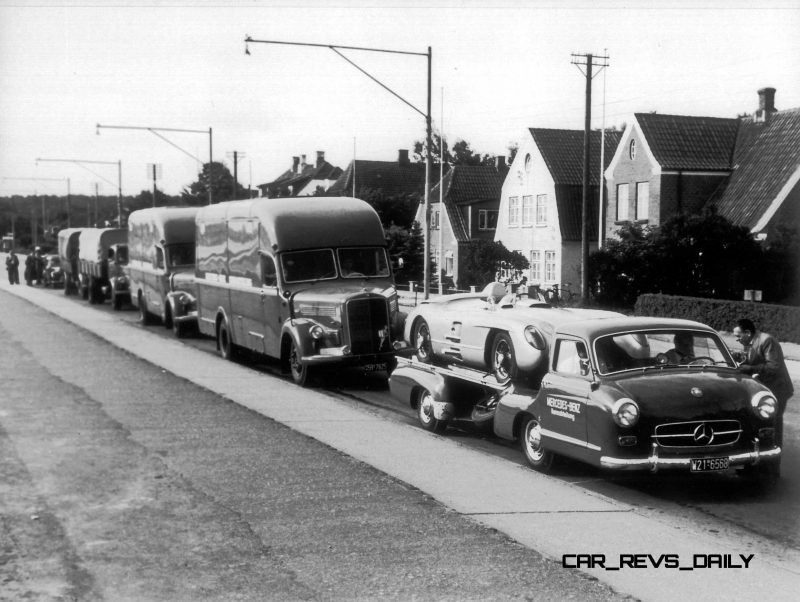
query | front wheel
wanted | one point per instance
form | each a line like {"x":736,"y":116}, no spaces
{"x":531,"y":442}
{"x":298,"y":368}
{"x":224,"y":343}
{"x":504,"y":362}
{"x":144,"y":316}
{"x":425,"y":413}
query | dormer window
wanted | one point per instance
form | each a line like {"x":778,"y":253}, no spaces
{"x":632,"y":150}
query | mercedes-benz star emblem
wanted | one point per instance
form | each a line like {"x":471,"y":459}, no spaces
{"x":703,"y":434}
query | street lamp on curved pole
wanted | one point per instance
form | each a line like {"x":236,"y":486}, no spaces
{"x":155,"y":130}
{"x":119,"y":178}
{"x":428,"y":128}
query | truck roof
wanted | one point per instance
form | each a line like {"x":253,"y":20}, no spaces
{"x":174,"y":224}
{"x":305,"y":222}
{"x":94,"y":242}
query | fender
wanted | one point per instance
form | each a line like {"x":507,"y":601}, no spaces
{"x":298,"y":329}
{"x":407,"y":378}
{"x":180,"y":303}
{"x":220,"y":316}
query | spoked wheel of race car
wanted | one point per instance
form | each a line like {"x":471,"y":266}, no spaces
{"x":421,"y":338}
{"x":427,"y":420}
{"x":298,"y":368}
{"x":504,"y":362}
{"x":531,"y":442}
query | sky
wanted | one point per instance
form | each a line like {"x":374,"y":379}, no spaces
{"x":498,"y":68}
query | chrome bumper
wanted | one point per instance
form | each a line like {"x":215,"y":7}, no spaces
{"x":654,"y":462}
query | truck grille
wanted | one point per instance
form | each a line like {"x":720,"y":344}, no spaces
{"x":699,"y":433}
{"x":368,"y":325}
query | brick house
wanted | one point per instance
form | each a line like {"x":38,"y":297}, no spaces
{"x":748,"y":167}
{"x":303,"y":179}
{"x":391,"y":177}
{"x":541,"y":202}
{"x":469,"y":207}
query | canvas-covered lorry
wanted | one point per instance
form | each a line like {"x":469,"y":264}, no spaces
{"x":304,"y":280}
{"x":68,"y":245}
{"x":161,"y":248}
{"x":100,"y":264}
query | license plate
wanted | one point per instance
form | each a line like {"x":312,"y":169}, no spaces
{"x":373,"y":367}
{"x":709,"y":464}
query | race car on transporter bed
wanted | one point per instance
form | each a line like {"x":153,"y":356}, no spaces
{"x":492,"y":331}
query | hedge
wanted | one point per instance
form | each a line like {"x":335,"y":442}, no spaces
{"x":782,"y":321}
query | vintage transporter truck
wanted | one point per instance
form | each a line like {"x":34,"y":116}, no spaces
{"x":161,"y":246}
{"x":68,"y":245}
{"x":102,"y":254}
{"x":614,"y":396}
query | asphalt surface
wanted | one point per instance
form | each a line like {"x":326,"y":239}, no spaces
{"x":541,"y":513}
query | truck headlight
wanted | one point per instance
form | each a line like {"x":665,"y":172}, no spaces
{"x":625,"y":412}
{"x":316,"y":332}
{"x":534,"y":338}
{"x":764,"y":404}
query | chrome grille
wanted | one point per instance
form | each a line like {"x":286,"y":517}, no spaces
{"x":368,"y":325}
{"x":698,"y":433}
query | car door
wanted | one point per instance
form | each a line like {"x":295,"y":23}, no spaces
{"x":274,"y":308}
{"x":566,"y":387}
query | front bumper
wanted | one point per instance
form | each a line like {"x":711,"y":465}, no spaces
{"x":190,"y":316}
{"x":655,"y":462}
{"x":341,"y":355}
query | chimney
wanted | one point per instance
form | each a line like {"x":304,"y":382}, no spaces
{"x":320,"y":158}
{"x":499,"y":163}
{"x":402,"y":157}
{"x":766,"y":104}
{"x":302,"y":162}
{"x":295,"y":163}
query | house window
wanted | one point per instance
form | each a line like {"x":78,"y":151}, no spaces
{"x":541,"y":209}
{"x":527,"y":210}
{"x":642,"y":200}
{"x":536,"y":267}
{"x":622,"y":202}
{"x":513,"y":211}
{"x":448,"y":263}
{"x":549,"y":266}
{"x":435,"y":219}
{"x":487,"y":219}
{"x":632,"y":150}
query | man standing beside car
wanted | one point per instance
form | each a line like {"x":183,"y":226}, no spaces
{"x":12,"y":266}
{"x":763,"y":356}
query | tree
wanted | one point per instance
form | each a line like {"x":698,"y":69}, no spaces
{"x":399,"y":209}
{"x":482,"y":260}
{"x":460,"y":154}
{"x":406,"y":247}
{"x":222,"y":185}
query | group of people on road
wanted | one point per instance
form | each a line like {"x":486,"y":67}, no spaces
{"x":34,"y":267}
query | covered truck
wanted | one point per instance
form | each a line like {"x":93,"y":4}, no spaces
{"x":100,"y":268}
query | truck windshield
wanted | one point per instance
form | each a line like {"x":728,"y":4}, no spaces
{"x":180,"y":255}
{"x":679,"y":347}
{"x":314,"y":264}
{"x":363,"y":262}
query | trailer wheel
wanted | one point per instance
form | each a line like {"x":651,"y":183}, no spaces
{"x":425,"y":413}
{"x":531,"y":442}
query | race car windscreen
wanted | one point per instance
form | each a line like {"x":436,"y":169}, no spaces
{"x":667,"y":348}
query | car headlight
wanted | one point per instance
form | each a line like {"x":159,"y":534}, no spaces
{"x":625,"y":412}
{"x":764,"y":404}
{"x":534,"y":338}
{"x":316,"y":332}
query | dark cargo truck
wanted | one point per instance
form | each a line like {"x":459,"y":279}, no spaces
{"x":97,"y":261}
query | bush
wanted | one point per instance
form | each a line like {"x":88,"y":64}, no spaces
{"x":782,"y":321}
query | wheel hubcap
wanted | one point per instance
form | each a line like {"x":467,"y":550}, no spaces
{"x":423,"y":341}
{"x":533,"y":440}
{"x":426,"y":408}
{"x":502,"y":359}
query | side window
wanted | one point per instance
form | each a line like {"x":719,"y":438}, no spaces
{"x":269,"y":275}
{"x":569,"y":355}
{"x":159,"y":258}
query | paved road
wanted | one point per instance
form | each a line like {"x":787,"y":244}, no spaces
{"x":121,"y":481}
{"x":558,"y":517}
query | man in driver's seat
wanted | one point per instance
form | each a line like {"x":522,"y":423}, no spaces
{"x":683,"y":352}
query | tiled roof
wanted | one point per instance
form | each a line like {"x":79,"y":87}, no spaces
{"x":309,"y":172}
{"x":681,"y":142}
{"x":390,"y":176}
{"x":465,"y":184}
{"x":767,"y":155}
{"x":562,"y":151}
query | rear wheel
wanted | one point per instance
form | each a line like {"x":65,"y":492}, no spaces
{"x":427,"y":420}
{"x":421,"y":339}
{"x":144,"y":316}
{"x":224,"y":343}
{"x":531,"y":442}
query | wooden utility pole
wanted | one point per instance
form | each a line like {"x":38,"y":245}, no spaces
{"x":586,"y":60}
